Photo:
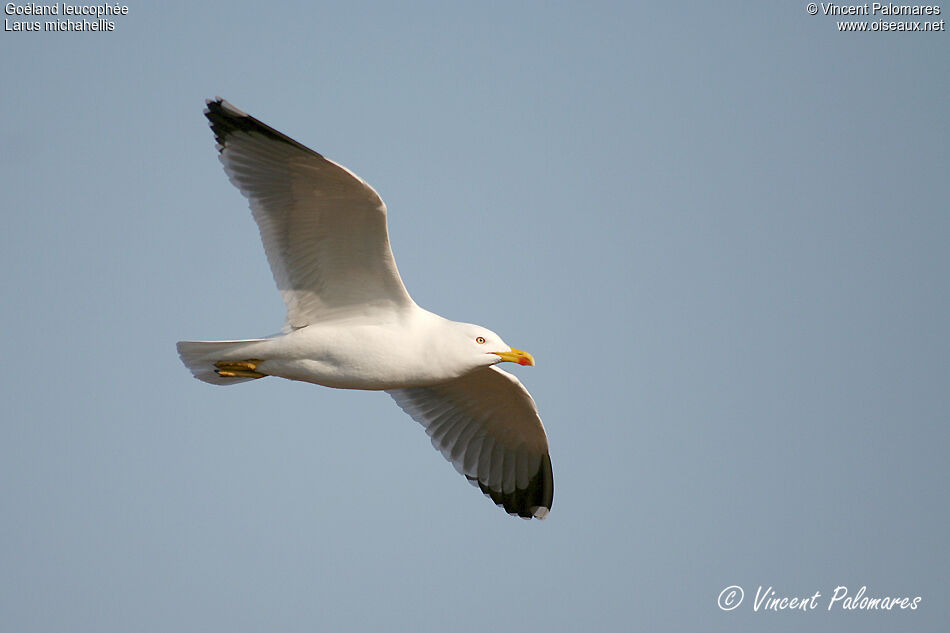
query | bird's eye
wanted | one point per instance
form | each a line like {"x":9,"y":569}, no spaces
{"x":480,"y":340}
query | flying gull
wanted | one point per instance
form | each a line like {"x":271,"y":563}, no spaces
{"x":351,"y":324}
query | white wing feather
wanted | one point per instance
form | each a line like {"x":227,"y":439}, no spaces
{"x":487,"y":425}
{"x":323,"y":228}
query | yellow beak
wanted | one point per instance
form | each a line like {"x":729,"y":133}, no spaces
{"x":516,"y":356}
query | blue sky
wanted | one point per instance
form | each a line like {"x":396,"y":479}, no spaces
{"x":721,"y":230}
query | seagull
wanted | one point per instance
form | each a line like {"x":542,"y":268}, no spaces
{"x":351,"y":324}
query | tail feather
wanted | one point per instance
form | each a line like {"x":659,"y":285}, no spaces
{"x":200,"y":357}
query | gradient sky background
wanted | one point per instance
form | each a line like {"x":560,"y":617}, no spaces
{"x":721,"y":228}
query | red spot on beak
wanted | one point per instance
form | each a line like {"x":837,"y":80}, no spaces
{"x":515,"y":356}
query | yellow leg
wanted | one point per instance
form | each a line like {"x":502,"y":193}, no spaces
{"x":239,"y":369}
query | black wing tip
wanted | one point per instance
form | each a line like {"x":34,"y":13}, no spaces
{"x":531,"y":502}
{"x":226,"y":119}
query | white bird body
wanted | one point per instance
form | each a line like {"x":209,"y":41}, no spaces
{"x":352,"y":325}
{"x":361,"y":352}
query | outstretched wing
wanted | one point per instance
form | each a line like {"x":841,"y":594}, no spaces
{"x":487,"y":425}
{"x":323,"y":228}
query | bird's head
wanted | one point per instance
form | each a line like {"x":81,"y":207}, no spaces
{"x":483,"y":347}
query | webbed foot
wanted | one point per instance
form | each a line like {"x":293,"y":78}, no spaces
{"x":238,"y":368}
